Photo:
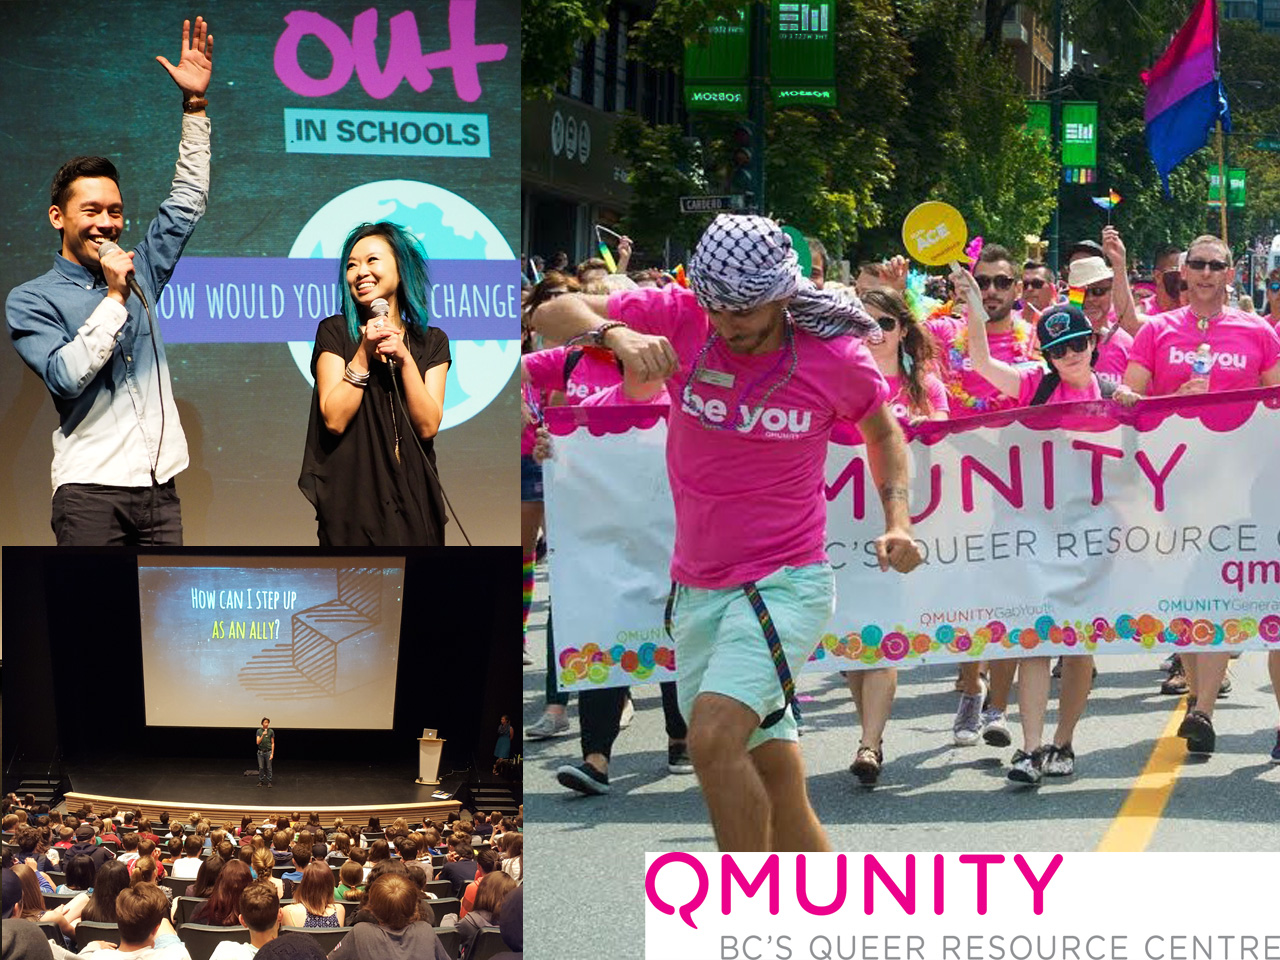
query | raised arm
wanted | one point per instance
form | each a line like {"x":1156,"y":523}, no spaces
{"x":648,"y":357}
{"x":1003,"y":376}
{"x":1121,"y":293}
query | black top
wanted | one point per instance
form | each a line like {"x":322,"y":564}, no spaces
{"x":363,"y":496}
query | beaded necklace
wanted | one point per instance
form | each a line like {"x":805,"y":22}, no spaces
{"x":739,"y":402}
{"x":1022,"y":353}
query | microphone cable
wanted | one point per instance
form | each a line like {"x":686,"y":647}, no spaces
{"x":397,"y":395}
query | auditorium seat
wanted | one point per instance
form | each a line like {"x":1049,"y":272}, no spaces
{"x":488,"y":943}
{"x":56,"y":878}
{"x":89,"y":930}
{"x":280,"y":871}
{"x":201,"y":939}
{"x":111,"y":845}
{"x":179,"y":887}
{"x":450,"y":940}
{"x":437,"y":861}
{"x":325,"y":937}
{"x":52,"y":900}
{"x":186,"y":907}
{"x":51,"y":931}
{"x":441,"y":888}
{"x":439,"y":909}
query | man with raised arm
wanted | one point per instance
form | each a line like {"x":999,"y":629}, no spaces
{"x":80,"y":327}
{"x":758,"y":373}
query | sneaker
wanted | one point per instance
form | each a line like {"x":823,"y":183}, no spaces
{"x":528,"y":657}
{"x":678,"y":758}
{"x":628,"y":713}
{"x":1026,"y":767}
{"x":1059,"y":761}
{"x":866,"y":765}
{"x":1275,"y":751}
{"x":1197,"y":730}
{"x":1226,"y":686}
{"x":995,"y":731}
{"x":1176,"y":685}
{"x":549,"y":725}
{"x":967,"y":727}
{"x":1171,"y":663}
{"x":584,"y":778}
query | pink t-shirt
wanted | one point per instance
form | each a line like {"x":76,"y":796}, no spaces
{"x":747,"y":482}
{"x":1243,"y":347}
{"x":1113,"y":356}
{"x":899,"y":405}
{"x":593,"y":372}
{"x":969,"y":391}
{"x":617,"y":396}
{"x":1030,"y":379}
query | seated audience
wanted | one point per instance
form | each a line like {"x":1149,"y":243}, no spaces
{"x":397,"y":931}
{"x":314,"y":906}
{"x":492,"y":892}
{"x":222,"y":907}
{"x":260,"y":913}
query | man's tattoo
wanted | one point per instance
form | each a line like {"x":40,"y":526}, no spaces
{"x":888,"y":493}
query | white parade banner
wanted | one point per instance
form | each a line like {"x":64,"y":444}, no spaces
{"x":1077,"y":528}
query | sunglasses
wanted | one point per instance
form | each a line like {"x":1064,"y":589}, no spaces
{"x":1173,"y":284}
{"x":1101,"y":290}
{"x":1034,"y":284}
{"x":1060,"y":350}
{"x":1217,"y":266}
{"x":1002,"y":282}
{"x":887,"y":324}
{"x":1274,"y":286}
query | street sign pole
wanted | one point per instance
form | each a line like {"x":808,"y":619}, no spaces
{"x":1055,"y":129}
{"x":755,"y":102}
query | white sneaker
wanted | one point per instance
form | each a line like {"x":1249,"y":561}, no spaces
{"x":549,"y":725}
{"x":628,"y":714}
{"x":995,"y":731}
{"x":528,"y":658}
{"x":967,"y":728}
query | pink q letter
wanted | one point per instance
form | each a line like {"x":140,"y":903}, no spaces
{"x":651,"y":886}
{"x":300,"y":23}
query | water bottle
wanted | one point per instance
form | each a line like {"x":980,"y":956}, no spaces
{"x":1202,"y":363}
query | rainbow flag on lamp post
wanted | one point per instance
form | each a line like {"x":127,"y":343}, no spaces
{"x":1185,"y":98}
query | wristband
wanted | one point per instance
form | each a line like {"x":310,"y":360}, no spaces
{"x":596,"y":336}
{"x":194,"y":104}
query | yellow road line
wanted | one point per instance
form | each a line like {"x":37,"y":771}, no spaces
{"x":1134,"y":825}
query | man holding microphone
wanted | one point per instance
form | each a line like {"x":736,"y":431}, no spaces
{"x":266,"y":751}
{"x":84,"y":330}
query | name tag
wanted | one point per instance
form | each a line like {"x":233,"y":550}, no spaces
{"x":716,"y":378}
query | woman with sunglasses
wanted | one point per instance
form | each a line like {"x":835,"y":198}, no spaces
{"x":904,"y":358}
{"x":1272,"y":309}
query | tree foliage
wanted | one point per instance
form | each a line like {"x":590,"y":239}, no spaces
{"x":549,"y":29}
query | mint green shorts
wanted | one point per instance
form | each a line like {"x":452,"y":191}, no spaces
{"x":721,"y":647}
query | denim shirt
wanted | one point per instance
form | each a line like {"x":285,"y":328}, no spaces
{"x":96,"y":356}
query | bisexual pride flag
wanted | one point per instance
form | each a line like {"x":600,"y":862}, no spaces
{"x":1184,"y":95}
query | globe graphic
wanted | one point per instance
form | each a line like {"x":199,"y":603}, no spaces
{"x":450,"y":228}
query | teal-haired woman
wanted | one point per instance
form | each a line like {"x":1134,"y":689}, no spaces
{"x":378,"y":400}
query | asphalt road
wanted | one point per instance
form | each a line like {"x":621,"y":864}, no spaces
{"x":587,"y":900}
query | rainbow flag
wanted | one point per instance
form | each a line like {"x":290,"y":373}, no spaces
{"x":1185,"y":98}
{"x":1109,"y":202}
{"x":1075,"y":297}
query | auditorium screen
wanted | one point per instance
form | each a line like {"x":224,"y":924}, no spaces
{"x":323,"y":114}
{"x":227,"y":641}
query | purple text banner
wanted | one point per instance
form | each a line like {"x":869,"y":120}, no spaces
{"x":275,"y":299}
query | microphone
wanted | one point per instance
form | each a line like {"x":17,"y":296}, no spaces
{"x":109,"y":246}
{"x":380,"y":309}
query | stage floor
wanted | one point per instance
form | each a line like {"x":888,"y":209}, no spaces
{"x":297,"y":784}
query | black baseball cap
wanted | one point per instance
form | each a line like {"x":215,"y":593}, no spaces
{"x":1061,"y":323}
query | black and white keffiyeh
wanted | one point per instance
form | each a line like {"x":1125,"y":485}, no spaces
{"x":743,"y":261}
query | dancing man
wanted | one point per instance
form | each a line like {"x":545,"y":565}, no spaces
{"x":758,"y":376}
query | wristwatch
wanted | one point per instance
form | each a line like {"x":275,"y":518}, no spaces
{"x":597,"y":335}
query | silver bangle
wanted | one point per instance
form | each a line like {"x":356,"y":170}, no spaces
{"x":355,"y":379}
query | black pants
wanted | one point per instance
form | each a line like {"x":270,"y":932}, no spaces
{"x":99,"y":515}
{"x":599,"y":712}
{"x":554,"y":696}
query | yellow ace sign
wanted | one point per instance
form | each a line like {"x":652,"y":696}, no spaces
{"x":934,"y":233}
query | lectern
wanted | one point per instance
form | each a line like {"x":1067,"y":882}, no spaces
{"x":429,"y":759}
